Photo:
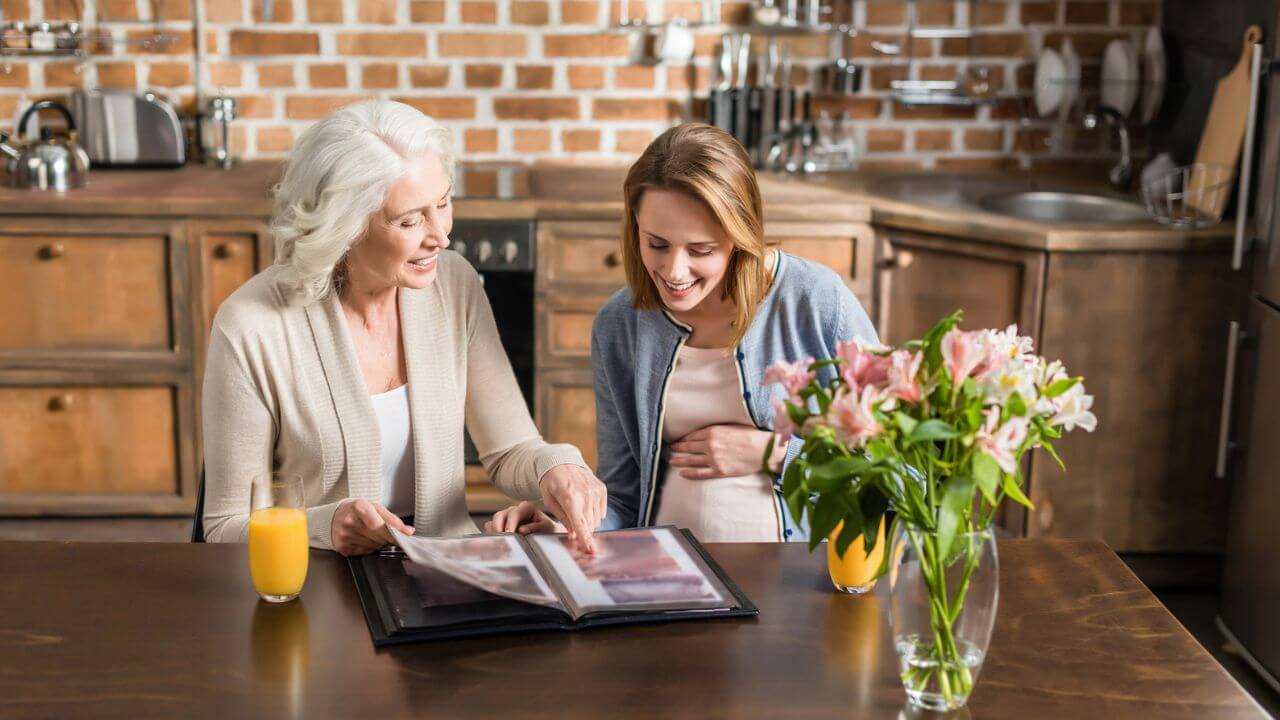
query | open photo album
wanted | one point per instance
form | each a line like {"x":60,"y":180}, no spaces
{"x":428,"y":588}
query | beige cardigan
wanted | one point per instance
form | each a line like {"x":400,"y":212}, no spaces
{"x":283,"y":391}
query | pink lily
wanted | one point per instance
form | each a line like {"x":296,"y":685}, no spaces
{"x":793,"y":376}
{"x":904,"y":367}
{"x":862,"y":367}
{"x":852,"y":417}
{"x":1001,"y":442}
{"x":782,"y":424}
{"x":962,"y":352}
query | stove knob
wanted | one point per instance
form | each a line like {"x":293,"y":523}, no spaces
{"x":484,"y":251}
{"x":460,"y":246}
{"x":510,"y":251}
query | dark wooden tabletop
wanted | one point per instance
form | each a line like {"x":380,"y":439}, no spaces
{"x":155,"y":630}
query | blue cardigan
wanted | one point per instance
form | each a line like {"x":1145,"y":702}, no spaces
{"x":807,"y":310}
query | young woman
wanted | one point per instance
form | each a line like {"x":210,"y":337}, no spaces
{"x":682,"y":414}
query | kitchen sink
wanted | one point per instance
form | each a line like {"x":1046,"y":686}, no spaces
{"x":1064,"y":207}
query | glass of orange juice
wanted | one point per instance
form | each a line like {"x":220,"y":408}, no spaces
{"x":278,"y":546}
{"x":855,"y":572}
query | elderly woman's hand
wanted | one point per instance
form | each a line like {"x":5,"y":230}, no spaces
{"x":575,"y":496}
{"x":360,"y":527}
{"x":524,"y":518}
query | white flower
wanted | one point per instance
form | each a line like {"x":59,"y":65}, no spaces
{"x":1002,"y":442}
{"x":1073,"y":410}
{"x":1018,"y":375}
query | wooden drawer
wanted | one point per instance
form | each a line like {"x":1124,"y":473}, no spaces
{"x":566,"y":410}
{"x":85,"y":292}
{"x":564,"y":328}
{"x":88,"y":440}
{"x":585,"y":253}
{"x":846,"y":248}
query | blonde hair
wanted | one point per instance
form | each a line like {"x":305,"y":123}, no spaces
{"x":338,"y":174}
{"x":708,"y":165}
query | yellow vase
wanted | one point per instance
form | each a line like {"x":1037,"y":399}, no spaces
{"x":855,"y":572}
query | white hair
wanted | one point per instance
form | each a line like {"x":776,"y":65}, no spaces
{"x":337,"y":176}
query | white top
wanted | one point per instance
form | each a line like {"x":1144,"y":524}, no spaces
{"x":704,"y":390}
{"x":396,"y":433}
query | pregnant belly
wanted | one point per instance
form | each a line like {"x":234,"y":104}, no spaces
{"x":735,"y":509}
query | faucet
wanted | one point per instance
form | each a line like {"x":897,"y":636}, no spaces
{"x":1122,"y":173}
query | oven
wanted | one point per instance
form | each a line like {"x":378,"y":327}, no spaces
{"x":503,"y":252}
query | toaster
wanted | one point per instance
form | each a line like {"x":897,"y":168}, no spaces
{"x":122,"y":128}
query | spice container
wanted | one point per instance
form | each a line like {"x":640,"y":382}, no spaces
{"x":68,"y":36}
{"x":14,"y":37}
{"x":42,"y":38}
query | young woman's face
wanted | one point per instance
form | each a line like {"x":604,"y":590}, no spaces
{"x":683,"y":248}
{"x":405,"y":237}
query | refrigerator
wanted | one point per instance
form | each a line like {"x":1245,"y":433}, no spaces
{"x":1249,"y":437}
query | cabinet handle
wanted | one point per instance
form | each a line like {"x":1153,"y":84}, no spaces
{"x":225,"y":250}
{"x":612,"y":260}
{"x":53,"y":251}
{"x":899,"y":260}
{"x":60,"y":403}
{"x":1234,"y":338}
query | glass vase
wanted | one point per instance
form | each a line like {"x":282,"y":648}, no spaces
{"x":943,"y":609}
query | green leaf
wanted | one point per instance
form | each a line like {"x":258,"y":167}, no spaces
{"x":905,"y":422}
{"x":1012,"y":489}
{"x":934,"y":429}
{"x":873,"y":504}
{"x":1016,"y":406}
{"x":852,"y":526}
{"x":797,"y":414}
{"x":887,"y":556}
{"x":1048,"y":447}
{"x":837,"y":473}
{"x":1058,"y":387}
{"x":793,"y":487}
{"x":768,"y":453}
{"x":828,"y":513}
{"x":957,"y":498}
{"x":986,"y":472}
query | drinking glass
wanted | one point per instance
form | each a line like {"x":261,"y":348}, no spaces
{"x":278,"y":546}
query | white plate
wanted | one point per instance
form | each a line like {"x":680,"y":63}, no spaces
{"x":1154,"y":75}
{"x":1071,"y":75}
{"x":1120,"y":76}
{"x":1050,"y":89}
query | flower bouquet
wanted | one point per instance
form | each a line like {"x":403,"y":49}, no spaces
{"x":933,"y":433}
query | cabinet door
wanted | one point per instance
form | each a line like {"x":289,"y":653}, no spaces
{"x":231,"y":252}
{"x":1147,"y":332}
{"x":847,"y":248}
{"x":564,"y":328}
{"x":578,"y":254}
{"x":923,"y":278}
{"x":566,"y":410}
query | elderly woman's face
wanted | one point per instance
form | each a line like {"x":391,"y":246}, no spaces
{"x":406,"y":236}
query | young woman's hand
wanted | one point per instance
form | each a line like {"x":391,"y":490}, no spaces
{"x":575,"y":496}
{"x":720,"y":451}
{"x":524,"y":518}
{"x":360,"y":527}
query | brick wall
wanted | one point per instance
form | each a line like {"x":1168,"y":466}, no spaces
{"x":519,"y":79}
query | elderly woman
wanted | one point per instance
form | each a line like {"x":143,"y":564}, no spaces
{"x":356,"y":359}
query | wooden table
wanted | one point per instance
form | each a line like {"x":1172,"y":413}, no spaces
{"x":154,"y":630}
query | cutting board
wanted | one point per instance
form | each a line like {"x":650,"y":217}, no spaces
{"x":1223,"y":132}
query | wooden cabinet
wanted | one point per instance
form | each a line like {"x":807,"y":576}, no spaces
{"x":97,"y":398}
{"x":1141,"y":328}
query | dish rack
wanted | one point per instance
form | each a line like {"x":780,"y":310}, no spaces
{"x":1189,"y":196}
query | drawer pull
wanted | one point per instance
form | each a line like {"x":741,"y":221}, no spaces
{"x":60,"y":403}
{"x":225,"y":251}
{"x":53,"y":251}
{"x":612,"y":260}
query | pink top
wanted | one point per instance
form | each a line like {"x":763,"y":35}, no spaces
{"x":704,"y":390}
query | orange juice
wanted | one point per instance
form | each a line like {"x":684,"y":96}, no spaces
{"x":854,"y":572}
{"x":278,"y":552}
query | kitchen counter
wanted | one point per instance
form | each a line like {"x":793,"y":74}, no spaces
{"x":545,"y":192}
{"x":155,"y":629}
{"x":947,"y":204}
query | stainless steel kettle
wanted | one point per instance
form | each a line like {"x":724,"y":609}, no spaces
{"x":51,"y":163}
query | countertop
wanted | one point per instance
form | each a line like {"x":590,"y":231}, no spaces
{"x":940,"y":204}
{"x":948,"y":204}
{"x":164,"y":630}
{"x":550,"y":191}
